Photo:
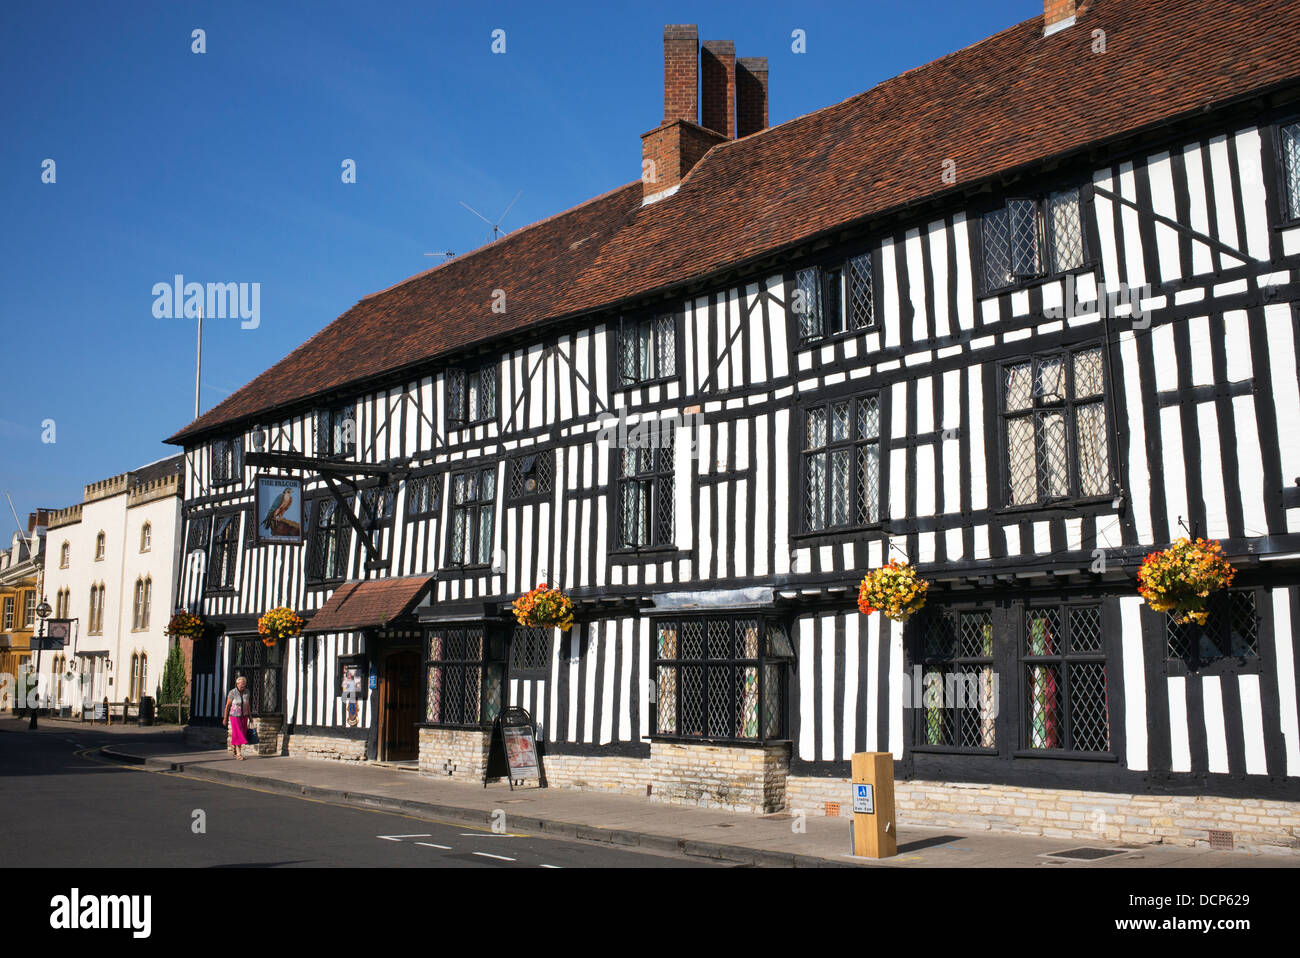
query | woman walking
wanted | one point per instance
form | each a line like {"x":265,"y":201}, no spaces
{"x":237,"y":716}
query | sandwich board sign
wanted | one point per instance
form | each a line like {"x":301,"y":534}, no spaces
{"x":513,"y":752}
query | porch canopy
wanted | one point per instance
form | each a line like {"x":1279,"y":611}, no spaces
{"x":368,"y":603}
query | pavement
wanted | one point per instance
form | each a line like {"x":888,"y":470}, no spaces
{"x":779,"y":840}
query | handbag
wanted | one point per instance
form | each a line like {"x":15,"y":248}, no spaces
{"x":251,"y":735}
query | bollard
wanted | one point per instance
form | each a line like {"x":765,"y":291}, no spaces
{"x":874,"y":832}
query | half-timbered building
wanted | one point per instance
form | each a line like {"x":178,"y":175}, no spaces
{"x":1019,"y":316}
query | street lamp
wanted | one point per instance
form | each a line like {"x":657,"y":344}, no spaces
{"x":43,"y":612}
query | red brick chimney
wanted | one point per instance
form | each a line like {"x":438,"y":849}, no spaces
{"x":670,"y":150}
{"x":734,"y":98}
{"x":681,"y":72}
{"x":751,"y":95}
{"x":1058,"y":14}
{"x":718,"y":87}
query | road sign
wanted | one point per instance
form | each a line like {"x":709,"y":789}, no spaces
{"x":864,"y":799}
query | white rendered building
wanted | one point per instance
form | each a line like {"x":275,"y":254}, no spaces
{"x":111,"y":568}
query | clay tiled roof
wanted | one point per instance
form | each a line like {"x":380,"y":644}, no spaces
{"x":368,"y":604}
{"x":1006,"y":103}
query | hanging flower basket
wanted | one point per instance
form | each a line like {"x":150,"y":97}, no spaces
{"x":1180,"y":580}
{"x":278,"y":623}
{"x":894,"y":589}
{"x":187,"y":624}
{"x":544,"y":608}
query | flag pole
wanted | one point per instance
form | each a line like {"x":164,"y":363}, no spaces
{"x":198,"y":364}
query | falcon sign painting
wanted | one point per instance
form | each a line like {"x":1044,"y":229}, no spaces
{"x":278,"y":511}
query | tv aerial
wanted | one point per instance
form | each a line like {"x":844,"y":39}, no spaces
{"x":497,"y":231}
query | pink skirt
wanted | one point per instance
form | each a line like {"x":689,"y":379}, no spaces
{"x":238,"y":730}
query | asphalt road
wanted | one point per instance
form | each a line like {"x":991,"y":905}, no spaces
{"x":63,"y":806}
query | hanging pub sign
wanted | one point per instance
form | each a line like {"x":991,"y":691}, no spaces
{"x":58,"y":632}
{"x":513,"y":752}
{"x":277,"y":507}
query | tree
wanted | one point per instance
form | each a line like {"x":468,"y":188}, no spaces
{"x":173,"y":690}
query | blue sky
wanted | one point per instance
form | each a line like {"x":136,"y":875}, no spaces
{"x":226,"y":167}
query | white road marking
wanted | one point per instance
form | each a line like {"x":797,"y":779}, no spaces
{"x":445,"y":848}
{"x":398,"y":838}
{"x":502,"y":857}
{"x":486,"y":835}
{"x":549,"y":866}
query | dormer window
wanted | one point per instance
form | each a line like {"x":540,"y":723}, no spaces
{"x":834,"y":299}
{"x":471,"y":395}
{"x":1032,"y":237}
{"x":227,"y":459}
{"x":336,"y":431}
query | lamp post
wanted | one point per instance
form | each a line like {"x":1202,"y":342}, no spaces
{"x":42,"y":612}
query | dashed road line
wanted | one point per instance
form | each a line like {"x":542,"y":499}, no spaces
{"x":445,"y":848}
{"x":501,"y":857}
{"x":398,"y":838}
{"x":548,"y":866}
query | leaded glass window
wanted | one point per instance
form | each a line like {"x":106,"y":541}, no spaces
{"x":471,"y":395}
{"x":261,"y":666}
{"x":532,"y":475}
{"x":958,"y":706}
{"x":225,"y":548}
{"x":336,"y":431}
{"x":647,"y":349}
{"x":423,"y":495}
{"x":330,"y":539}
{"x":834,"y":299}
{"x":841,"y":464}
{"x":464,"y":676}
{"x":645,"y":495}
{"x":1231,"y":632}
{"x":227,"y":459}
{"x":721,"y":678}
{"x":1290,"y":141}
{"x":1030,"y":237}
{"x":530,"y":650}
{"x":1054,"y":412}
{"x":473,"y":516}
{"x":1066,"y":705}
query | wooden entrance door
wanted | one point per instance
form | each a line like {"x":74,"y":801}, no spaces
{"x":401,"y":707}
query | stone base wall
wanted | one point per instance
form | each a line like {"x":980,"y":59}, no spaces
{"x":620,"y":774}
{"x":270,"y":736}
{"x":454,"y":753}
{"x":715,"y":776}
{"x":327,"y":747}
{"x":1256,"y":825}
{"x":270,"y":733}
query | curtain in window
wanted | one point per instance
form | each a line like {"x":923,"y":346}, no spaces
{"x":809,"y":290}
{"x":666,"y":710}
{"x":1044,"y":688}
{"x":1066,"y":225}
{"x":486,"y":514}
